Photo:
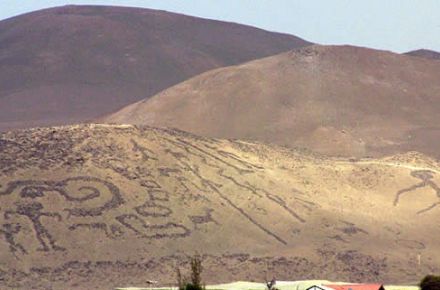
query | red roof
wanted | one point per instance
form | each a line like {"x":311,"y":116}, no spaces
{"x":356,"y":286}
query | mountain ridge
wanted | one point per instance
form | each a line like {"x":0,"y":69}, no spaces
{"x":426,"y":53}
{"x":73,"y":63}
{"x":312,"y":97}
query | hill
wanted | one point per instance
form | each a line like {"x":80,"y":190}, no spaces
{"x":336,"y":100}
{"x":426,"y":53}
{"x":69,"y":64}
{"x":99,"y":207}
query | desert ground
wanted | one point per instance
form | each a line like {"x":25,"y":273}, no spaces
{"x":108,"y":205}
{"x":336,"y":100}
{"x":133,"y":139}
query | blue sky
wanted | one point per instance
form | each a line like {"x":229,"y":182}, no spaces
{"x":397,"y":25}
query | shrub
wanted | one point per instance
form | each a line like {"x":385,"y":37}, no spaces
{"x":430,"y":282}
{"x":195,"y":280}
{"x":181,"y":280}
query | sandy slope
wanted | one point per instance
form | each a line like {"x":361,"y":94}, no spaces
{"x":336,"y":100}
{"x":103,"y":206}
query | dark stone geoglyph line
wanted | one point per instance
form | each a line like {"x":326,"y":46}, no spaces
{"x":142,"y":229}
{"x":37,"y":188}
{"x":146,"y":153}
{"x":78,"y":191}
{"x":203,"y":219}
{"x":111,"y":232}
{"x":184,"y":145}
{"x":33,"y":212}
{"x":233,"y":180}
{"x":214,"y":188}
{"x":236,"y":158}
{"x":428,"y":208}
{"x":151,"y":209}
{"x":278,"y":200}
{"x":8,"y":231}
{"x":426,"y":177}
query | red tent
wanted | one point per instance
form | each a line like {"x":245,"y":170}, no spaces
{"x":356,"y":286}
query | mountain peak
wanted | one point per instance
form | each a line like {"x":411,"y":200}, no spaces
{"x":73,"y":63}
{"x":336,"y":100}
{"x":426,"y":53}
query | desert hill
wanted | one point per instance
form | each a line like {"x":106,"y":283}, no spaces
{"x":426,"y":53}
{"x":99,"y":206}
{"x":72,"y":63}
{"x":336,"y":100}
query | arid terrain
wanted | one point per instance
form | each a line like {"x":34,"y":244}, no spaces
{"x":69,"y":64}
{"x":100,"y":206}
{"x":335,"y":100}
{"x":426,"y":53}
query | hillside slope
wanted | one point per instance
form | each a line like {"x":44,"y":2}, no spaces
{"x":73,"y":63}
{"x":426,"y":53}
{"x":96,"y":207}
{"x":336,"y":100}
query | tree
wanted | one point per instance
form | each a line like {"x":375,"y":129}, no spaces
{"x":430,"y":282}
{"x":196,"y":270}
{"x":181,"y":281}
{"x":195,"y":280}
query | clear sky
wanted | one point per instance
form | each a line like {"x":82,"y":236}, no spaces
{"x":397,"y":25}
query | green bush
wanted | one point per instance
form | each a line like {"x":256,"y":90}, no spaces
{"x":430,"y":282}
{"x":190,"y":286}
